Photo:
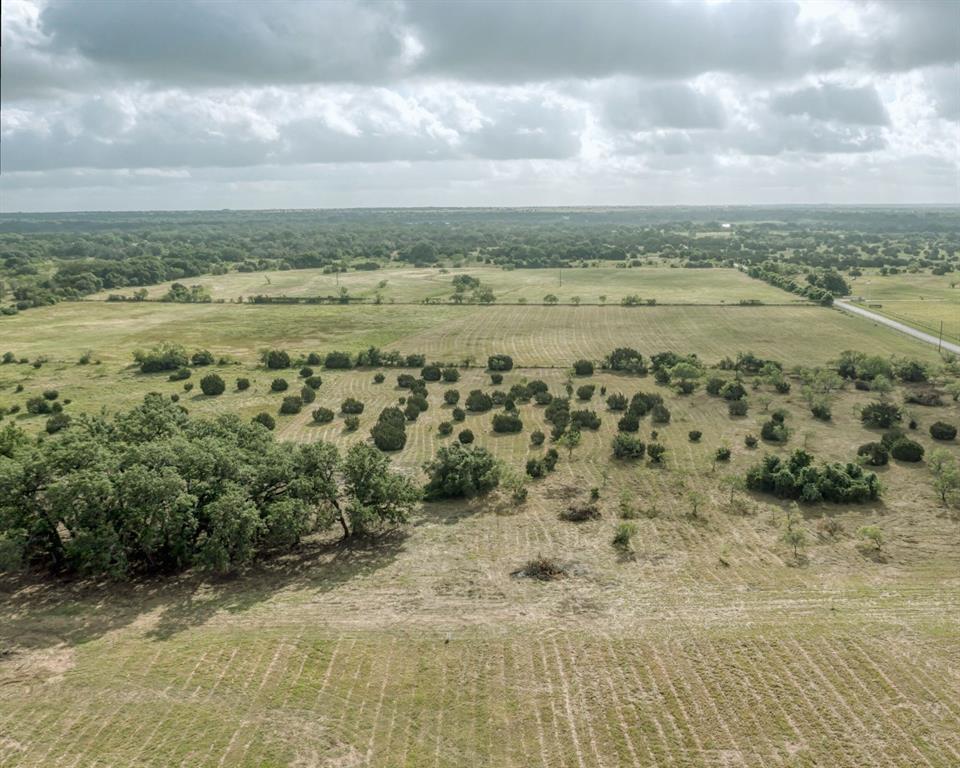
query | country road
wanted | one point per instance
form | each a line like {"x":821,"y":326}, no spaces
{"x":928,"y":338}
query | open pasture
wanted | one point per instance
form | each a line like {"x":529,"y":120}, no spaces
{"x":921,"y":300}
{"x":593,"y":285}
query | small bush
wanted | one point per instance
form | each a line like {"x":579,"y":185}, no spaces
{"x":465,"y":436}
{"x":830,"y":527}
{"x":202,"y":357}
{"x":907,"y":450}
{"x":279,"y":385}
{"x":180,"y":374}
{"x":458,"y":414}
{"x":445,"y":428}
{"x":378,"y":378}
{"x":275,"y":359}
{"x":479,"y":401}
{"x":243,"y":385}
{"x":542,"y":569}
{"x":496,"y":378}
{"x":291,"y":404}
{"x":537,"y":437}
{"x":694,"y":435}
{"x":629,"y":423}
{"x":507,"y":423}
{"x":450,"y":374}
{"x":323,"y":415}
{"x":212,"y":385}
{"x":314,"y":359}
{"x":351,"y":423}
{"x":623,"y":536}
{"x":499,"y":363}
{"x":583,"y":368}
{"x":38,"y":406}
{"x":306,"y":372}
{"x":774,"y":431}
{"x":660,"y":414}
{"x":451,"y":397}
{"x":308,"y":395}
{"x":940,"y":430}
{"x":628,"y":447}
{"x":722,"y":454}
{"x":874,"y":454}
{"x":821,"y":411}
{"x":880,"y":414}
{"x":265,"y":420}
{"x":338,"y":361}
{"x":351,"y":405}
{"x":536,"y":468}
{"x":585,"y":392}
{"x":617,"y":402}
{"x":581,"y":513}
{"x":50,"y":394}
{"x":431,"y":373}
{"x":656,"y":452}
{"x":314,"y":382}
{"x":57,"y":422}
{"x":750,"y":441}
{"x":738,"y":407}
{"x":188,"y":386}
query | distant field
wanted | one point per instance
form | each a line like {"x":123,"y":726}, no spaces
{"x":711,"y":646}
{"x":404,"y":284}
{"x":919,"y":300}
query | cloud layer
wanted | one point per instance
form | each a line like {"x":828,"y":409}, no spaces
{"x":347,"y":102}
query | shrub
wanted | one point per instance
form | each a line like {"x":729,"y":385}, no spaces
{"x":306,"y":372}
{"x":623,"y":536}
{"x":275,"y":359}
{"x":617,"y":402}
{"x":507,"y":423}
{"x":163,"y":357}
{"x":585,"y":392}
{"x":291,"y":404}
{"x":499,"y":363}
{"x":536,"y":468}
{"x":905,"y":449}
{"x":458,"y":414}
{"x":389,"y":433}
{"x":774,"y":431}
{"x":419,"y":402}
{"x":581,"y":513}
{"x":212,"y":385}
{"x":796,"y":478}
{"x":584,"y":420}
{"x":351,"y":423}
{"x":378,"y":378}
{"x":202,"y":357}
{"x":738,"y":407}
{"x":940,"y":430}
{"x":714,"y":384}
{"x":660,"y":414}
{"x":656,"y":452}
{"x":479,"y":401}
{"x":307,"y":395}
{"x":465,"y":436}
{"x":431,"y":373}
{"x":537,"y":437}
{"x":38,"y":406}
{"x":642,"y":403}
{"x":338,"y":360}
{"x":243,"y":384}
{"x":459,"y":471}
{"x":57,"y":422}
{"x":323,"y":415}
{"x":628,"y":423}
{"x":733,"y":391}
{"x":351,"y":405}
{"x":265,"y":420}
{"x":450,"y":374}
{"x":694,"y":435}
{"x":821,"y":411}
{"x":496,"y":378}
{"x":880,"y":414}
{"x":722,"y":454}
{"x":782,"y":386}
{"x":445,"y":428}
{"x":451,"y":397}
{"x":50,"y":394}
{"x":625,"y":359}
{"x":628,"y":447}
{"x":313,"y":382}
{"x":188,"y":386}
{"x":550,"y":459}
{"x":750,"y":441}
{"x":180,"y":374}
{"x":874,"y":454}
{"x":583,"y":368}
{"x":279,"y":385}
{"x":411,"y":411}
{"x":542,"y":398}
{"x":314,"y":359}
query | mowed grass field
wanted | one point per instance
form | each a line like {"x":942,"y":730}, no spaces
{"x":709,"y":647}
{"x":667,"y":285}
{"x":920,"y":300}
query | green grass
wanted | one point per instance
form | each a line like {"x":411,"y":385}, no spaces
{"x":919,"y":300}
{"x":706,"y":646}
{"x":405,"y":284}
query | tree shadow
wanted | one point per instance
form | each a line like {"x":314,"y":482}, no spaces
{"x":39,"y":612}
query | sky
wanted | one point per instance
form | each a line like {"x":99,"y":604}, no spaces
{"x":192,"y":104}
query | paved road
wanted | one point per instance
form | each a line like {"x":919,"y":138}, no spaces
{"x":854,"y":309}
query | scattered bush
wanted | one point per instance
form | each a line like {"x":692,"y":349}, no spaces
{"x":797,"y":478}
{"x":265,"y":420}
{"x":202,"y":357}
{"x":585,"y":392}
{"x":57,"y":422}
{"x":279,"y":385}
{"x":338,"y":361}
{"x":479,"y":401}
{"x":450,"y":374}
{"x":499,"y":363}
{"x":880,"y":414}
{"x":583,"y":368}
{"x":180,"y":374}
{"x":351,"y":423}
{"x":163,"y":357}
{"x":940,"y":430}
{"x":628,"y":423}
{"x":306,"y":372}
{"x":537,"y":437}
{"x":660,"y":414}
{"x":389,"y":433}
{"x":507,"y":423}
{"x":307,"y":395}
{"x":496,"y":379}
{"x":905,"y":449}
{"x":351,"y":405}
{"x":459,"y":471}
{"x":656,"y":452}
{"x":243,"y":384}
{"x":212,"y":385}
{"x":291,"y":404}
{"x":722,"y":454}
{"x":465,"y":436}
{"x":451,"y":397}
{"x":458,"y":414}
{"x":275,"y":359}
{"x":445,"y":428}
{"x":750,"y":441}
{"x":314,"y":382}
{"x":874,"y":454}
{"x":694,"y":435}
{"x":628,"y":447}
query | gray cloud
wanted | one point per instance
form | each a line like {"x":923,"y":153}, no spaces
{"x":944,"y":87}
{"x":856,"y":106}
{"x":633,"y":106}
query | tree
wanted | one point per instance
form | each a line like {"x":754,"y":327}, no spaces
{"x":212,"y":385}
{"x":946,"y":475}
{"x":583,"y":368}
{"x":507,"y":423}
{"x":872,"y":534}
{"x":569,"y":440}
{"x":389,"y":433}
{"x":794,"y":536}
{"x":460,"y":471}
{"x":478,"y":401}
{"x":628,"y":447}
{"x":499,"y":363}
{"x":372,"y":494}
{"x":550,"y":298}
{"x":275,"y":359}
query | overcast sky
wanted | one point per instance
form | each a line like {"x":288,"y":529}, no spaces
{"x":128,"y":104}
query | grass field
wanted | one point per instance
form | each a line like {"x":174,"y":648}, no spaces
{"x":710,"y":647}
{"x":920,"y":300}
{"x":405,"y":284}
